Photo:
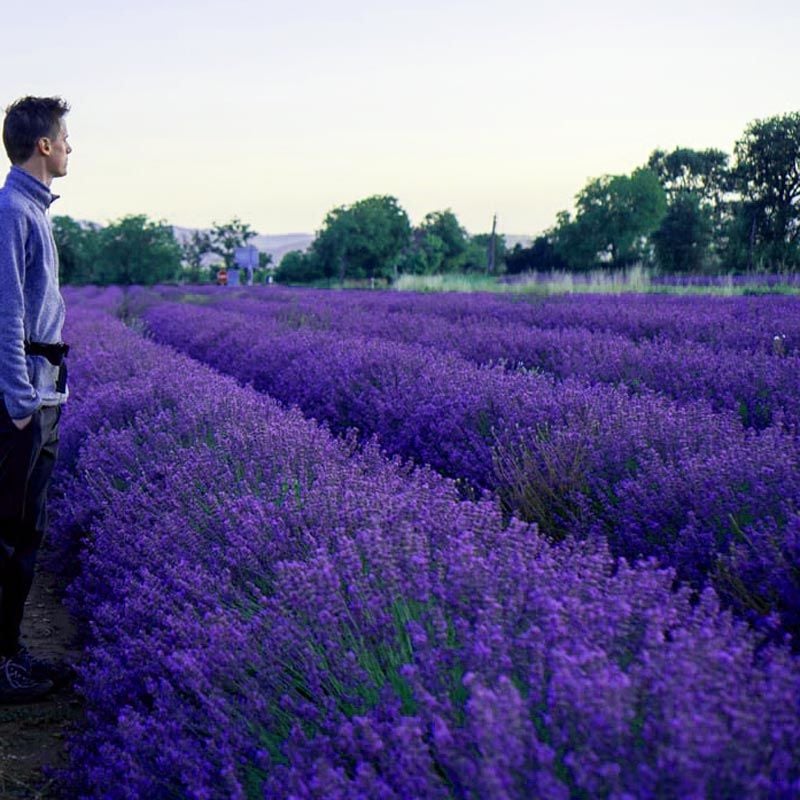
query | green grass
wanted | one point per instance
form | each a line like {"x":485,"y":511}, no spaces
{"x":635,"y":280}
{"x":449,"y":283}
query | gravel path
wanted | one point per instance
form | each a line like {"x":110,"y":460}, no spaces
{"x":32,"y":736}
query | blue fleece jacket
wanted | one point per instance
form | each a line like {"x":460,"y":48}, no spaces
{"x":31,"y":306}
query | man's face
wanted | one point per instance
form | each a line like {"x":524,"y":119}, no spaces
{"x":57,"y":151}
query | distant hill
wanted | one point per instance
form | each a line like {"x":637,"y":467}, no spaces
{"x":277,"y":245}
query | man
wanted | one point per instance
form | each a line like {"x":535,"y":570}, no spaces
{"x":32,"y":371}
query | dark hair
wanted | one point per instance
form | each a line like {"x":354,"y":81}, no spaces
{"x":28,"y":120}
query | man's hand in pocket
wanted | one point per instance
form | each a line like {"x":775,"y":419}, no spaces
{"x":22,"y":423}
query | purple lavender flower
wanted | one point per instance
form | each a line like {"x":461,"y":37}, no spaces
{"x":271,"y":611}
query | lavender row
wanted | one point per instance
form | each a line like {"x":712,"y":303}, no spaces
{"x":739,"y":323}
{"x":274,"y":615}
{"x":679,"y":482}
{"x":763,"y":388}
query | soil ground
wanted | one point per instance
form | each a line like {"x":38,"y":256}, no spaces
{"x":32,"y":736}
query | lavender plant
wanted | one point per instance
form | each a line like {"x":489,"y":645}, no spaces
{"x":273,"y":613}
{"x":653,"y":477}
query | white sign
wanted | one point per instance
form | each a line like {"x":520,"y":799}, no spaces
{"x":246,"y":257}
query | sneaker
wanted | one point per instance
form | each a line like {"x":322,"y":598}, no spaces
{"x":17,"y":685}
{"x":40,"y":669}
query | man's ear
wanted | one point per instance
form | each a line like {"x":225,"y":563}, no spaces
{"x":43,"y":146}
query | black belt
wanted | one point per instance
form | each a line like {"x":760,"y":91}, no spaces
{"x":54,"y":353}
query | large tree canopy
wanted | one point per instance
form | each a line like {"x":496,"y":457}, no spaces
{"x":682,"y":241}
{"x":768,"y":177}
{"x":540,"y":256}
{"x":364,"y":240}
{"x":196,"y":246}
{"x":136,"y":250}
{"x":296,"y":267}
{"x":77,"y":250}
{"x":614,"y":214}
{"x":454,"y":239}
{"x":226,"y":237}
{"x":697,"y":185}
{"x":441,"y":244}
{"x":704,"y":173}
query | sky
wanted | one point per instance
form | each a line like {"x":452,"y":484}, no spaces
{"x":275,"y":113}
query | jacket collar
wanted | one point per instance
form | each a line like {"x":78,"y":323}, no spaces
{"x":31,"y":187}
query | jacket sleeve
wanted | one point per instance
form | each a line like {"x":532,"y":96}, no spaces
{"x":20,"y":397}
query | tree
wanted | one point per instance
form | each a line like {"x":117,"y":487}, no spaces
{"x":425,"y":254}
{"x":77,"y":250}
{"x":192,"y":251}
{"x":440,"y":244}
{"x":682,"y":241}
{"x":364,"y":240}
{"x":698,"y":185}
{"x":614,"y":216}
{"x":444,"y":225}
{"x":297,"y":267}
{"x":541,"y":256}
{"x":479,"y":247}
{"x":225,"y":238}
{"x":704,"y":173}
{"x":380,"y":231}
{"x":328,"y":253}
{"x":576,"y":243}
{"x":745,"y":248}
{"x":767,"y":175}
{"x":136,"y":250}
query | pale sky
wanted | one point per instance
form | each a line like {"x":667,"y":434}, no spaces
{"x":195,"y":112}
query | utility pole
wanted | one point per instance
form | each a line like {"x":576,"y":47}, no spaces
{"x":490,"y":259}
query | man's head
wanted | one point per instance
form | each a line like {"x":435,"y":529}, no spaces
{"x":34,"y":134}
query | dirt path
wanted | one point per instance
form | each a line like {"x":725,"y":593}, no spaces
{"x":32,"y":736}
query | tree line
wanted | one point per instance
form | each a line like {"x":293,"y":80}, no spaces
{"x":373,"y":239}
{"x":687,"y":211}
{"x":683,"y":211}
{"x":138,"y":250}
{"x":370,"y":239}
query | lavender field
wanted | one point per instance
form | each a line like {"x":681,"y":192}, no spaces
{"x":383,"y":545}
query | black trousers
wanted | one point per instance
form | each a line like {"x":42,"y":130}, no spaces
{"x":27,"y":458}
